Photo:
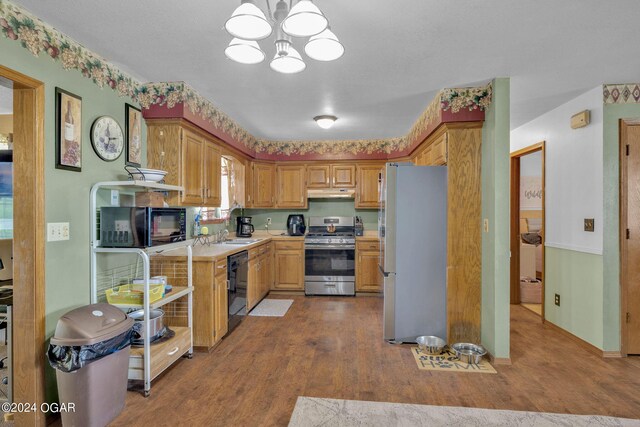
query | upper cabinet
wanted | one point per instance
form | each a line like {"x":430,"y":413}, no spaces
{"x":331,"y":176}
{"x":192,"y":168}
{"x":291,"y":189}
{"x":368,"y":186}
{"x":434,"y":152}
{"x":212,"y":168}
{"x":263,"y":179}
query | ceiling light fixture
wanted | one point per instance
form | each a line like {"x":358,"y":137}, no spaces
{"x":324,"y":46}
{"x":304,"y":20}
{"x":244,"y":51}
{"x":248,"y":23}
{"x":325,"y":121}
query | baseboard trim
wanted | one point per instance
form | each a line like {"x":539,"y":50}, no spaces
{"x":582,"y":343}
{"x":498,"y":360}
{"x":611,"y":354}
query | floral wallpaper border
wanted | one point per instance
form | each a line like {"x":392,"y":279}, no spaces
{"x":628,"y":93}
{"x":38,"y":37}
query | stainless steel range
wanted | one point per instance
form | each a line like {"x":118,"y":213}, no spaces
{"x":330,"y":252}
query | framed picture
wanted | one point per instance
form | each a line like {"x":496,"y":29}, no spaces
{"x":133,"y":135}
{"x":68,"y":131}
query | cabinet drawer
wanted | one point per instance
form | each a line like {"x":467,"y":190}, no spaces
{"x":289,"y":245}
{"x":162,"y":355}
{"x":368,"y":245}
{"x":221,"y":267}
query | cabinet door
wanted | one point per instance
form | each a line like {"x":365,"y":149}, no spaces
{"x":291,"y":188}
{"x":343,"y":176}
{"x":263,"y":185}
{"x":318,"y":176}
{"x":439,"y":151}
{"x":368,"y":278}
{"x":192,"y":150}
{"x":221,"y":307}
{"x":368,"y":186}
{"x":289,"y":270}
{"x":248,"y":184}
{"x":252,"y":283}
{"x":212,"y":174}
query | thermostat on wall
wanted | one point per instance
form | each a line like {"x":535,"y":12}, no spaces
{"x":580,"y":120}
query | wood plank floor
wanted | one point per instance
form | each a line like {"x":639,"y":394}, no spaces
{"x":332,"y":347}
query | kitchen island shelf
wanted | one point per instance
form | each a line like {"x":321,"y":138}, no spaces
{"x":147,"y":362}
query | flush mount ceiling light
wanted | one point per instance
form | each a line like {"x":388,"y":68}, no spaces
{"x":325,"y":121}
{"x":324,"y":46}
{"x":304,"y":20}
{"x":248,"y":23}
{"x":244,"y":51}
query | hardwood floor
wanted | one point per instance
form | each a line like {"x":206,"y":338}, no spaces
{"x":332,"y":347}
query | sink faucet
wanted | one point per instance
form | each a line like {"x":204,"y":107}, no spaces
{"x":225,"y":234}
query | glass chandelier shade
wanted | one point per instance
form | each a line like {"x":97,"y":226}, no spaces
{"x":304,"y":20}
{"x":248,"y":22}
{"x":244,"y":51}
{"x":324,"y":46}
{"x":287,"y":59}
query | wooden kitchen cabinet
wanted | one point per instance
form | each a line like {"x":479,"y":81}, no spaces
{"x":221,"y":295}
{"x":263,"y":192}
{"x":190,"y":158}
{"x":331,"y":176}
{"x":212,"y":175}
{"x":289,"y":265}
{"x":291,"y":189}
{"x":343,"y":176}
{"x":438,"y":151}
{"x":259,"y":277}
{"x":368,"y":185}
{"x":368,"y":277}
{"x":318,"y":176}
{"x":210,"y":314}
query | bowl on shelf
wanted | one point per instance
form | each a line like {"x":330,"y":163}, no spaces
{"x":430,"y":344}
{"x":143,"y":174}
{"x":468,"y":353}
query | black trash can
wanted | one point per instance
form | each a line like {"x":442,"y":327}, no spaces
{"x":90,"y":352}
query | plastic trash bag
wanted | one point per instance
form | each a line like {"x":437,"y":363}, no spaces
{"x":71,"y":358}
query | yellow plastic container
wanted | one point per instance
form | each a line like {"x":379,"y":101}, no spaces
{"x":133,"y":294}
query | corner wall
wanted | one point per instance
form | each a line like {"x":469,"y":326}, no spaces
{"x":495,"y":208}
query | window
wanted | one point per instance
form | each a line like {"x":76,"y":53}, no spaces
{"x":231,"y":191}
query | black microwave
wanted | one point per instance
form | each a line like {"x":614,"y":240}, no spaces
{"x":138,"y":227}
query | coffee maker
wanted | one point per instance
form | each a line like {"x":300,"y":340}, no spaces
{"x":244,"y":227}
{"x":295,"y":225}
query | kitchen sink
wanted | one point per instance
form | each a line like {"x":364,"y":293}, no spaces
{"x":241,"y":241}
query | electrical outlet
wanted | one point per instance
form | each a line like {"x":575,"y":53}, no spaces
{"x":589,"y":224}
{"x":268,"y":221}
{"x":557,"y":299}
{"x":57,"y":231}
{"x":485,"y":225}
{"x":115,"y":198}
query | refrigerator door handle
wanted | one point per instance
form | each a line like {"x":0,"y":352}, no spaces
{"x":384,"y":273}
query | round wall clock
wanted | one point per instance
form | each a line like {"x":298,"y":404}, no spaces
{"x":107,"y":138}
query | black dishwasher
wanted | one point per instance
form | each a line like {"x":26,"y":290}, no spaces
{"x":237,"y":272}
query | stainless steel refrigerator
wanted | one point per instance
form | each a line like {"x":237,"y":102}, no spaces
{"x":412,"y":224}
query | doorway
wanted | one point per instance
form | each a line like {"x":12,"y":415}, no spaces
{"x":630,"y":236}
{"x":28,"y":310}
{"x":527,"y":228}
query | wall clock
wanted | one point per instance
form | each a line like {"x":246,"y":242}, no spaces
{"x":107,"y":138}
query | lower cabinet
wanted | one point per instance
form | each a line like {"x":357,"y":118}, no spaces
{"x":259,"y":278}
{"x":289,"y":265}
{"x":368,"y":278}
{"x":210,"y":313}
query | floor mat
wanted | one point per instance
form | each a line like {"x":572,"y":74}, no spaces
{"x":313,"y":411}
{"x":272,"y":308}
{"x":448,"y":362}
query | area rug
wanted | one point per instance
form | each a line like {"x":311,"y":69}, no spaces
{"x":449,"y":362}
{"x":272,"y":308}
{"x":312,"y":411}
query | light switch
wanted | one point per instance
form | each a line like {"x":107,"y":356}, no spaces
{"x":115,"y":198}
{"x":57,"y":231}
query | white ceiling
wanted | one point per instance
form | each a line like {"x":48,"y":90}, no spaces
{"x":398,"y":55}
{"x":6,"y":100}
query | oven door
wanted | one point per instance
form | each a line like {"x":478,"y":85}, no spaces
{"x":329,"y":263}
{"x":167,"y":225}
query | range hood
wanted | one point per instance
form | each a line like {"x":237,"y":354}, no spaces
{"x":331,"y":193}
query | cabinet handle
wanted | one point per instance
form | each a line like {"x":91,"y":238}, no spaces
{"x":228,"y":284}
{"x":174,"y":351}
{"x":221,"y":266}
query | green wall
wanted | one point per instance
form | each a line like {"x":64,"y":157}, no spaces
{"x":576,"y":276}
{"x":495,"y":208}
{"x":611,"y":244}
{"x":317,"y":207}
{"x":67,"y":193}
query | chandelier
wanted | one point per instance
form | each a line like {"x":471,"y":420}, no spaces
{"x":249,"y":24}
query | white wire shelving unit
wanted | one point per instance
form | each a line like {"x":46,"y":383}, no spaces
{"x":124,"y":274}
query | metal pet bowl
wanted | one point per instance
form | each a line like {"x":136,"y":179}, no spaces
{"x":430,"y":344}
{"x":468,"y":353}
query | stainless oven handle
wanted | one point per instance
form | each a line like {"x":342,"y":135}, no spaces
{"x":327,"y":247}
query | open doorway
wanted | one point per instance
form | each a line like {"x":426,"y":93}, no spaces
{"x":527,"y":228}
